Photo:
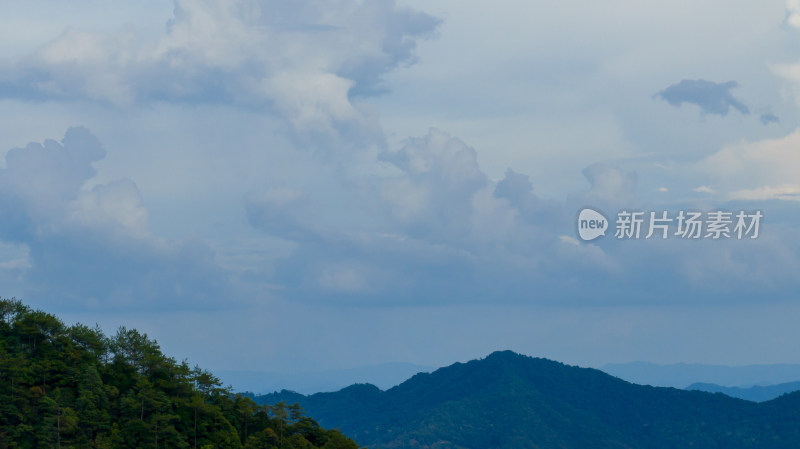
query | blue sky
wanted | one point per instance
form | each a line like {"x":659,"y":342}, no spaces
{"x":326,"y":184}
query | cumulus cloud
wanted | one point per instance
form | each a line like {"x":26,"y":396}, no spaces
{"x":711,"y":97}
{"x":93,"y":247}
{"x":433,"y":195}
{"x":304,"y":61}
{"x":40,"y":180}
{"x":441,"y":231}
{"x":517,"y":189}
{"x":449,"y":234}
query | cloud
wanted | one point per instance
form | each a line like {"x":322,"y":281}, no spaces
{"x":433,"y":195}
{"x":115,"y":206}
{"x":283,"y":212}
{"x":793,"y":13}
{"x":429,"y":228}
{"x":41,"y":179}
{"x":440,"y":231}
{"x":528,"y":208}
{"x":610,"y":188}
{"x":768,"y":118}
{"x":608,"y":182}
{"x":788,"y":192}
{"x":304,"y":61}
{"x":711,"y":97}
{"x":755,"y":170}
{"x":92,"y":248}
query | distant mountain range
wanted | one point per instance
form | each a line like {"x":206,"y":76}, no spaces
{"x":755,"y":393}
{"x":511,"y":401}
{"x":680,"y":375}
{"x":384,"y":376}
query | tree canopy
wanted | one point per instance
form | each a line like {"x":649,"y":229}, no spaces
{"x":74,"y":387}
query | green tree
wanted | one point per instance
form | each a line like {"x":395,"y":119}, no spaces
{"x":73,"y":387}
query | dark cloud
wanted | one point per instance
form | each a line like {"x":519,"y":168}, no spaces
{"x":283,"y":212}
{"x":517,"y":189}
{"x":711,"y":97}
{"x":768,"y":118}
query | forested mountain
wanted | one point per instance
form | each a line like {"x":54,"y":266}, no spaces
{"x":512,"y":401}
{"x":73,"y":387}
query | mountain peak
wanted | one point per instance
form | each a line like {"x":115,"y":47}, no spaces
{"x":511,"y":400}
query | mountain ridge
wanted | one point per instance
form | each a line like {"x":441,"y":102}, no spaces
{"x":383,"y":375}
{"x":513,"y":401}
{"x":680,"y":375}
{"x":755,"y":393}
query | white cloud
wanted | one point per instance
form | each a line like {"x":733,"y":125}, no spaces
{"x":434,"y":194}
{"x":116,"y":205}
{"x":569,"y":240}
{"x":439,"y":230}
{"x":789,"y":192}
{"x":432,"y":220}
{"x":764,"y":165}
{"x":302,"y":60}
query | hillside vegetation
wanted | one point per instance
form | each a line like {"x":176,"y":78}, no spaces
{"x":74,"y":387}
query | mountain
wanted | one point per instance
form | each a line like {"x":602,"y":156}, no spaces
{"x":510,"y":401}
{"x":385,"y":375}
{"x":680,"y":375}
{"x":757,"y":393}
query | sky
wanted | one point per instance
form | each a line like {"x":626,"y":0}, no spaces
{"x":317,"y":185}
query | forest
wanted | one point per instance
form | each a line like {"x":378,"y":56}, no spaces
{"x":72,"y":386}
